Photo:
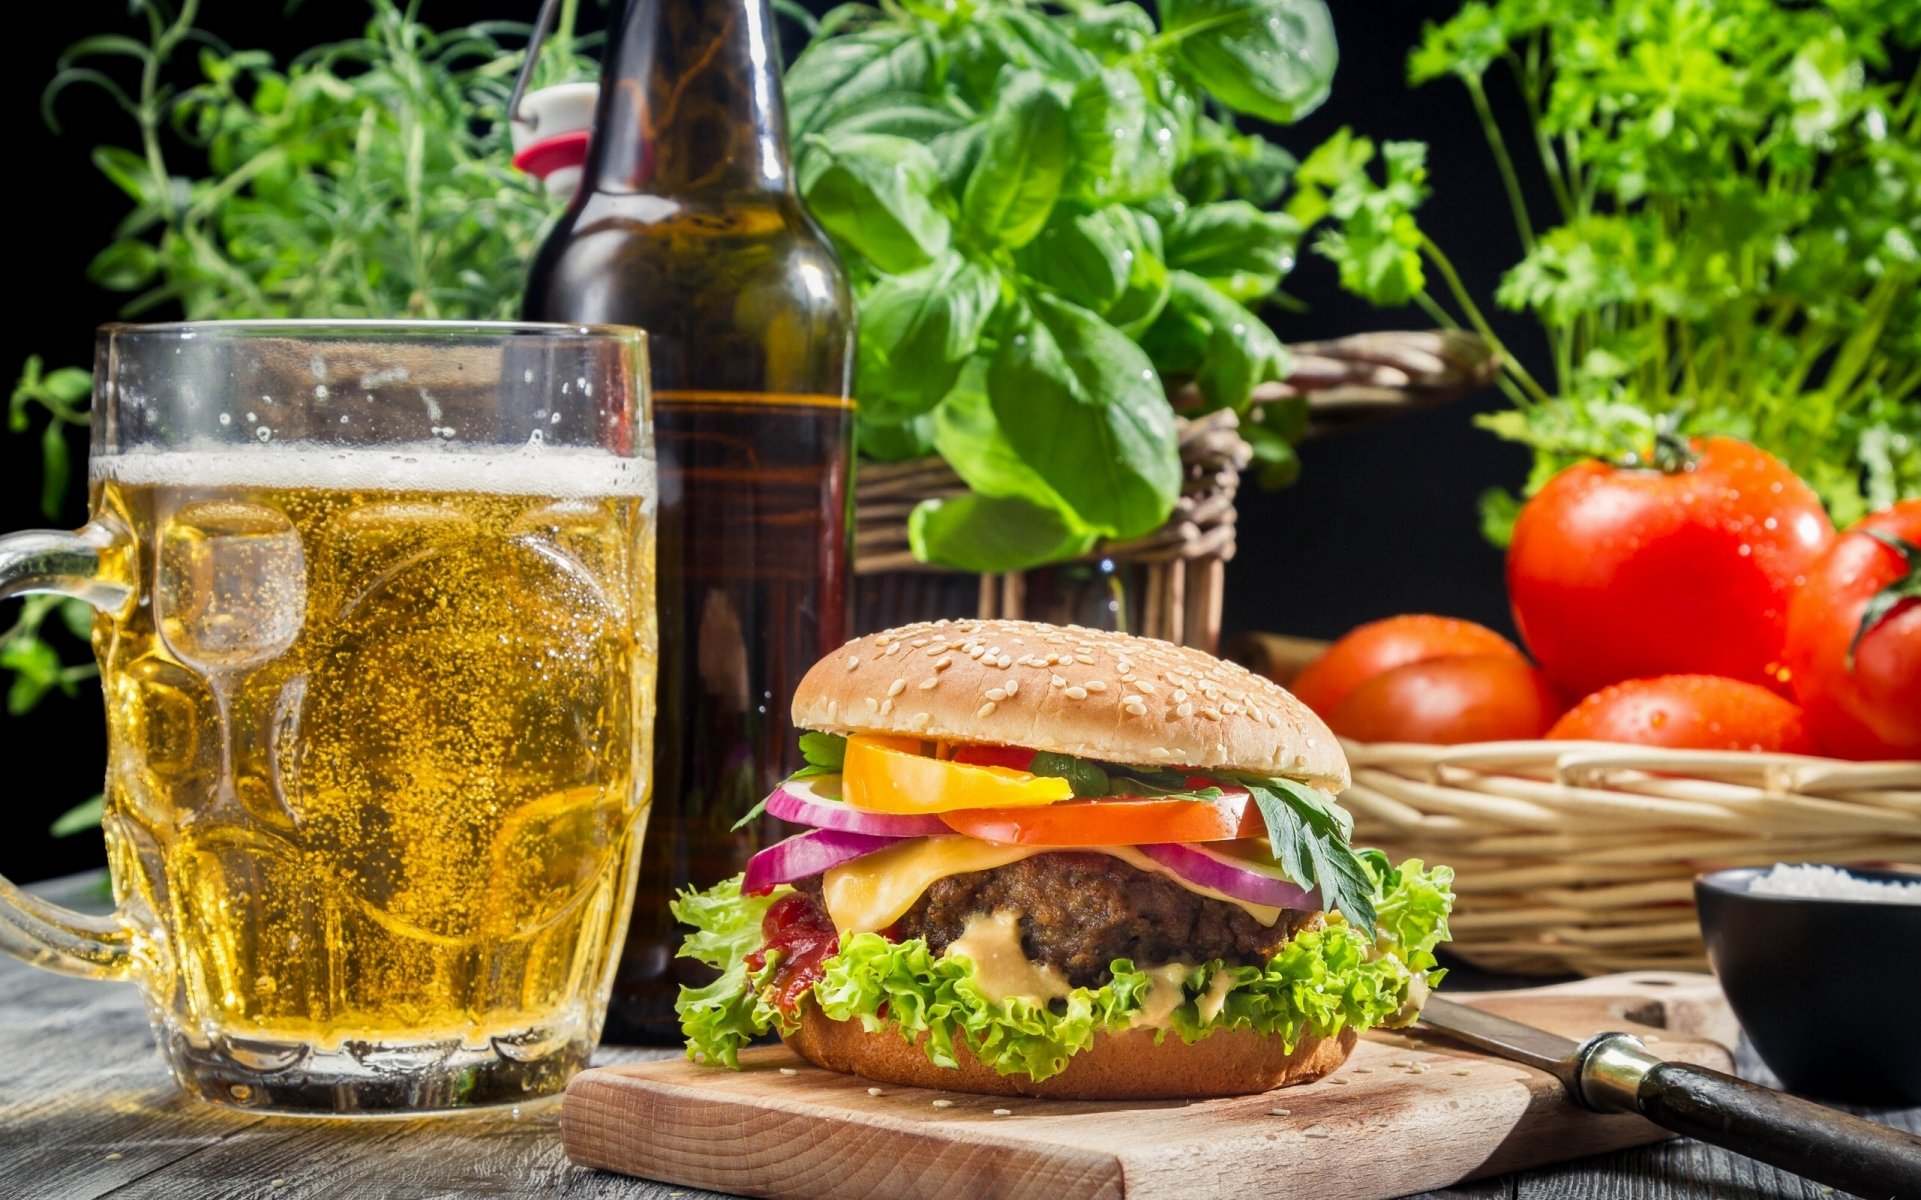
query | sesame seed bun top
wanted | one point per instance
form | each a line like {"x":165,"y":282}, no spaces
{"x":1061,"y":688}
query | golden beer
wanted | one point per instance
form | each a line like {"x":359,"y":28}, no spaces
{"x":379,"y":728}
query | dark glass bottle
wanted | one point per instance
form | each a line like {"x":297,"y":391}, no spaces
{"x":688,"y":225}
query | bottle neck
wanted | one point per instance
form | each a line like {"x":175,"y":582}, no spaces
{"x":690,"y":101}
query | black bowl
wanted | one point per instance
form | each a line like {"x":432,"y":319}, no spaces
{"x":1829,"y":991}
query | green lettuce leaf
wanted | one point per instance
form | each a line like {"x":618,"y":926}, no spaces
{"x":726,"y":1014}
{"x":1322,"y":981}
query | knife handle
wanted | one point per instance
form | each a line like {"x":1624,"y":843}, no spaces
{"x":1823,"y":1144}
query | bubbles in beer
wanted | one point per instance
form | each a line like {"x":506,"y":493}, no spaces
{"x":432,"y":694}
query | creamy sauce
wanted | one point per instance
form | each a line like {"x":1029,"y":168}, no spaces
{"x":992,"y":941}
{"x":1164,"y":995}
{"x":1211,"y":1001}
{"x":1410,"y":1009}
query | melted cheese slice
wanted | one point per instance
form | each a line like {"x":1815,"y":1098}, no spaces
{"x":876,"y":890}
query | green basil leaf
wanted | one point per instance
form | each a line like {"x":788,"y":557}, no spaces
{"x":969,"y":437}
{"x":1238,"y":351}
{"x":1082,"y":405}
{"x":823,"y":751}
{"x":1147,"y":287}
{"x":1272,"y":59}
{"x":909,"y":116}
{"x":989,"y":535}
{"x":1082,"y":256}
{"x":956,"y":152}
{"x":1240,"y":250}
{"x":1107,"y":125}
{"x":837,"y":74}
{"x":1113,"y":31}
{"x":1088,"y":780}
{"x":1226,"y":165}
{"x":877,"y":193}
{"x":1044,"y":46}
{"x":917,"y":330}
{"x":895,"y":441}
{"x":77,"y":616}
{"x":1015,"y":183}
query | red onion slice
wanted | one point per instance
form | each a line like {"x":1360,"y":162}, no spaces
{"x":807,"y":854}
{"x":1231,"y":876}
{"x":797,"y":800}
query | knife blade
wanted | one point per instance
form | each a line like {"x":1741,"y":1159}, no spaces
{"x":1615,"y":1072}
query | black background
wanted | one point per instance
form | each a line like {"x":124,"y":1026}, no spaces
{"x":1383,"y":520}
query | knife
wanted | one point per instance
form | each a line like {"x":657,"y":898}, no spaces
{"x":1615,"y":1072}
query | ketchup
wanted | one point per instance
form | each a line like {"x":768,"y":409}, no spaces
{"x":804,"y":938}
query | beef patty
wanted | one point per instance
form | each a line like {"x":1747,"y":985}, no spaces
{"x":1081,"y":910}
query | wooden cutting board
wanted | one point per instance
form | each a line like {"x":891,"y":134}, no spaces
{"x":1406,"y":1114}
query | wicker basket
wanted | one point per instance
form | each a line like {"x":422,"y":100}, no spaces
{"x":1168,"y":584}
{"x":1581,"y":856}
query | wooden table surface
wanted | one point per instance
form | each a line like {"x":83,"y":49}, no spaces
{"x":87,"y":1110}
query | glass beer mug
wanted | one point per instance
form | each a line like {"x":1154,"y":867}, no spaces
{"x":375,"y":626}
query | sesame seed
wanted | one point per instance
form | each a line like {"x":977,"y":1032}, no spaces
{"x":975,"y":651}
{"x":1003,"y":1112}
{"x":833,"y":709}
{"x":1013,"y":687}
{"x":1280,"y":1112}
{"x":875,"y":1092}
{"x":788,"y":1071}
{"x":943,"y":1104}
{"x":1145,"y":686}
{"x":853,"y":660}
{"x":1077,"y":692}
{"x":873,"y":705}
{"x":993,"y":652}
{"x":1338,"y":1082}
{"x":1086,"y":660}
{"x":923,"y":719}
{"x":897,"y":687}
{"x":917,"y":643}
{"x":116,"y":1156}
{"x":1134,"y":708}
{"x":996,"y":694}
{"x":1464,"y":1072}
{"x":1400,"y":1062}
{"x":985,"y":710}
{"x":1180,"y":694}
{"x":1056,"y":681}
{"x":1161,"y":752}
{"x":1183,"y":709}
{"x":1317,"y":1133}
{"x":943,"y":662}
{"x":1230,"y":708}
{"x":1363,"y":1070}
{"x":1419,"y":1068}
{"x":886,"y":706}
{"x":1097,"y":685}
{"x":1212,"y":714}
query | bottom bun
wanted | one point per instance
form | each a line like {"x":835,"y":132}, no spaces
{"x":1119,"y":1066}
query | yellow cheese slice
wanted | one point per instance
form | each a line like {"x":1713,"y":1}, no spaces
{"x":876,"y":890}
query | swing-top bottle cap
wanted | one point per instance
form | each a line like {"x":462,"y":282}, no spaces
{"x":550,"y":132}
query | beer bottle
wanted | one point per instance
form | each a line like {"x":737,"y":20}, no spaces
{"x":687,"y":224}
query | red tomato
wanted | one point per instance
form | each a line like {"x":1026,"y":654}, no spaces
{"x":1688,"y":712}
{"x":1115,"y":821}
{"x":1379,"y":646}
{"x":1628,"y":574}
{"x":1013,"y":757}
{"x":1872,"y":707}
{"x":1466,"y":698}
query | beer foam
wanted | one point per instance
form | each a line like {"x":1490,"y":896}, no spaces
{"x":563,"y":472}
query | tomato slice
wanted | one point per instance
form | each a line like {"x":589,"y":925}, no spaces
{"x":892,"y":775}
{"x":1015,"y":757}
{"x":1115,"y":821}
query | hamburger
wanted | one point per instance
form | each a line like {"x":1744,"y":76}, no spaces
{"x":1056,"y":861}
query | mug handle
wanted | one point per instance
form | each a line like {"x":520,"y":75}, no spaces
{"x":80,"y":565}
